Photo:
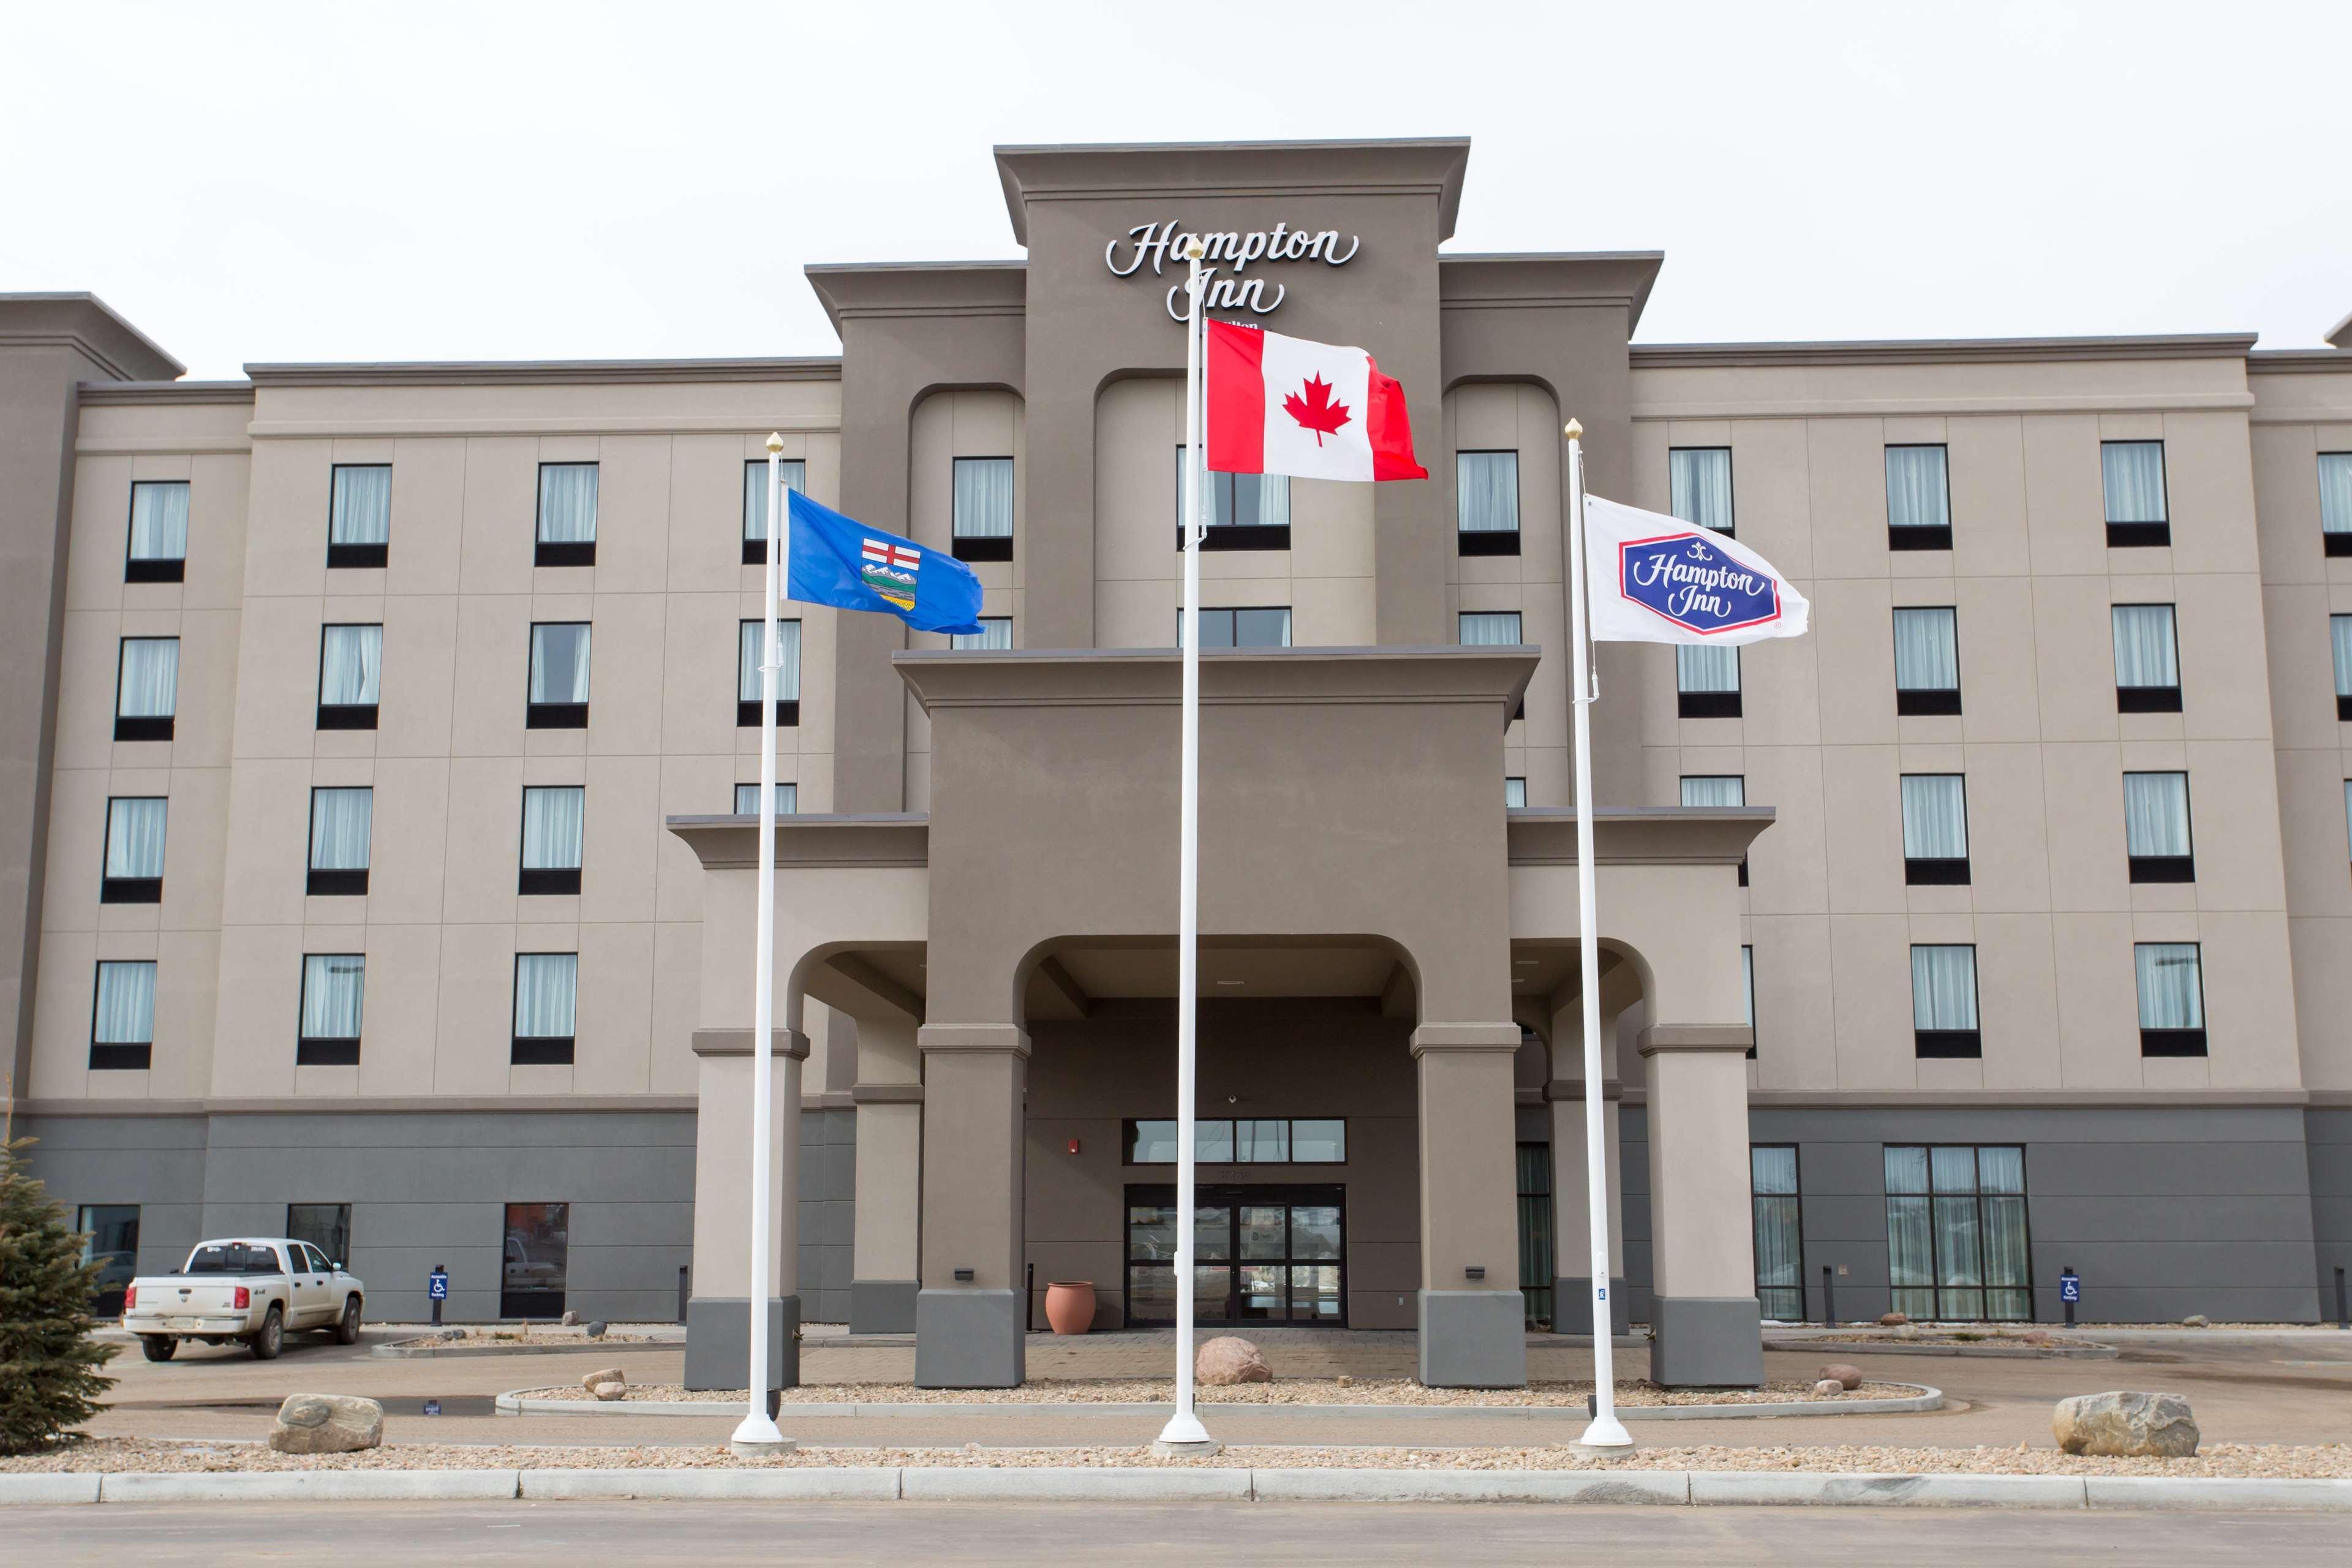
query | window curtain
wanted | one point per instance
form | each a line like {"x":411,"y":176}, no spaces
{"x":558,"y":663}
{"x":1486,"y":492}
{"x":1515,"y":793}
{"x":159,"y":520}
{"x":340,"y":822}
{"x":2339,"y":628}
{"x":334,"y":989}
{"x":134,"y":837}
{"x":995,"y":632}
{"x":1258,"y":628}
{"x":1261,"y":498}
{"x":747,"y":799}
{"x":2001,"y":1178}
{"x":545,"y":986}
{"x":984,"y":498}
{"x":351,"y":666}
{"x":1778,"y":1232}
{"x":1935,"y":816}
{"x":151,"y":676}
{"x":2170,"y":996}
{"x":552,"y":822}
{"x":1928,"y":649}
{"x":1918,"y":495}
{"x":2134,"y":475}
{"x":2155,"y":813}
{"x":567,"y":503}
{"x":1910,"y":1236}
{"x":2147,"y":653}
{"x":1720,"y":789}
{"x":1709,"y":669}
{"x":363,"y":507}
{"x":126,"y":1005}
{"x":1489,"y":628}
{"x":2336,"y":492}
{"x":755,"y":491}
{"x":1943,"y":987}
{"x":749,"y":637}
{"x":1699,"y":479}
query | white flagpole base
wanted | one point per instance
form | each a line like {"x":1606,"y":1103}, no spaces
{"x":1184,"y":1436}
{"x":1606,"y":1436}
{"x":757,"y":1435}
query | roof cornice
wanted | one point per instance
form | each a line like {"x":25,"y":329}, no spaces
{"x":863,"y":840}
{"x":1135,"y":170}
{"x":1493,"y":280}
{"x":868,"y":290}
{"x":1637,"y":834}
{"x":88,"y":325}
{"x":1943,"y":351}
{"x":1060,"y":678}
{"x":108,"y":393}
{"x":544,"y":373}
{"x":2299,"y":362}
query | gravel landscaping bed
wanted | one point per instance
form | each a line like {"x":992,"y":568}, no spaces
{"x":510,"y":1339}
{"x":1284,"y":1391}
{"x":115,"y":1455}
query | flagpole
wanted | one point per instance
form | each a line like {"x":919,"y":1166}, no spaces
{"x":1184,"y":1432}
{"x":1605,"y":1431}
{"x":758,"y":1432}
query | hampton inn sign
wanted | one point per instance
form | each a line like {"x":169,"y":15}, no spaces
{"x":1159,"y":243}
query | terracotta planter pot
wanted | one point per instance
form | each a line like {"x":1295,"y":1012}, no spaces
{"x":1070,"y":1306}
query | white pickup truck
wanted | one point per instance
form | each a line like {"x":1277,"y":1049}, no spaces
{"x":256,"y":1289}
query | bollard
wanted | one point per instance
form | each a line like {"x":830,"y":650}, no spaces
{"x":2343,"y":1318}
{"x":1029,"y":1301}
{"x":681,"y":1292}
{"x":1829,"y":1300}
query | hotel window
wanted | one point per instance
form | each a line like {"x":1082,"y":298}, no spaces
{"x":147,"y":687}
{"x":1491,"y":628}
{"x":1706,"y":682}
{"x":2156,"y":827}
{"x":1955,"y":1233}
{"x":567,"y":515}
{"x":359,"y":518}
{"x":334,"y":994}
{"x":1244,"y":512}
{"x":1747,"y":988}
{"x":122,"y":1021}
{"x":2335,"y":502}
{"x":1515,"y":791}
{"x":553,"y":823}
{"x":1928,"y":660}
{"x":350,"y":676}
{"x":1487,"y":503}
{"x":1935,"y":830}
{"x":2171,"y":998}
{"x":113,"y":1245}
{"x":535,"y":1275}
{"x":984,"y":509}
{"x":1717,"y":790}
{"x":134,"y":850}
{"x":1698,"y":479}
{"x":559,"y":676}
{"x":159,"y":532}
{"x":1537,"y":1248}
{"x":1918,"y":499}
{"x":1267,"y":627}
{"x":327,"y":1227}
{"x":1944,"y":1002}
{"x":2148,"y":659}
{"x":995,"y":631}
{"x":546,"y":987}
{"x":755,"y":502}
{"x":1254,"y":1141}
{"x":1780,"y":1232}
{"x":341,"y":823}
{"x":2339,"y":631}
{"x":2133,"y":475}
{"x":751,"y":641}
{"x":747,"y":799}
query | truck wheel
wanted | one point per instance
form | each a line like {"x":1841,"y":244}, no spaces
{"x":158,"y":1348}
{"x":272,"y":1337}
{"x":347,"y":1327}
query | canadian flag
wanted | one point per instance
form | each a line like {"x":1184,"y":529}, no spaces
{"x":1285,"y":405}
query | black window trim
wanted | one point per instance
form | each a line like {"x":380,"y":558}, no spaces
{"x":1797,"y":1156}
{"x":1729,"y":462}
{"x":121,"y":1055}
{"x":339,"y":881}
{"x":554,"y":715}
{"x":345,"y":715}
{"x":128,"y":889}
{"x":1939,"y":870}
{"x":565,"y":552}
{"x":957,"y":540}
{"x":1216,"y":536}
{"x":542,"y":1050}
{"x":145,"y":726}
{"x":346,"y":557}
{"x":755,"y":550}
{"x":1977,"y":1195}
{"x":547,"y":881}
{"x":1488,"y":541}
{"x":1127,"y":1142}
{"x":2167,"y":868}
{"x":1920,"y":536}
{"x":2138,"y":534}
{"x":1922,"y":702}
{"x":154,"y":568}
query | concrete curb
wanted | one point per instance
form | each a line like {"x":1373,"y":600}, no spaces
{"x":863,"y":1483}
{"x":1989,"y":1351}
{"x":1926,"y":1399}
{"x":1752,"y":1487}
{"x":951,"y":1483}
{"x":2245,"y":1494}
{"x":50,"y":1487}
{"x":1618,"y":1487}
{"x":298,"y":1486}
{"x":407,"y":1350}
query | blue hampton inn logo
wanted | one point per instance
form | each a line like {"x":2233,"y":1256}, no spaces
{"x":1696,"y":585}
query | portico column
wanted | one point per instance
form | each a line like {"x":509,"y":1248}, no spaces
{"x":888,"y":1095}
{"x":1473,"y":1317}
{"x":719,"y":1321}
{"x":969,"y":1322}
{"x":1709,"y":1329}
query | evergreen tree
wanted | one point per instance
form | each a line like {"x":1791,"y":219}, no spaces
{"x":50,"y":1376}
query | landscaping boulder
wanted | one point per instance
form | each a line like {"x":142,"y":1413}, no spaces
{"x":327,"y":1423}
{"x":1828,"y":1387}
{"x":2035,"y":1336}
{"x":1844,"y":1374}
{"x":2196,"y":1320}
{"x":1230,"y":1359}
{"x":595,"y":1330}
{"x":1907,"y":1331}
{"x":609,"y":1391}
{"x":610,"y":1375}
{"x":1889,"y":1320}
{"x":568,"y":1320}
{"x":2126,"y":1425}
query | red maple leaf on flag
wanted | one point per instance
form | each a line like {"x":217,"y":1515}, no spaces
{"x":1316,"y":411}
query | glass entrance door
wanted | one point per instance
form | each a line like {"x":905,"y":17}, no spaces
{"x":1260,"y":1255}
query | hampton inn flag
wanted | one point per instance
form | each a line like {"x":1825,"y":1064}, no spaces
{"x":831,"y":560}
{"x":1285,"y":405}
{"x":1660,"y":579}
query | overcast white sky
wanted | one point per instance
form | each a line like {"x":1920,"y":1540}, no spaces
{"x":329,"y":182}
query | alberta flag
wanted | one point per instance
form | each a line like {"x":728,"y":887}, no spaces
{"x":831,"y":560}
{"x":1653,"y":578}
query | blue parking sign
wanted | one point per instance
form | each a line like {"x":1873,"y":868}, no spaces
{"x":2070,"y":1287}
{"x":436,"y":1286}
